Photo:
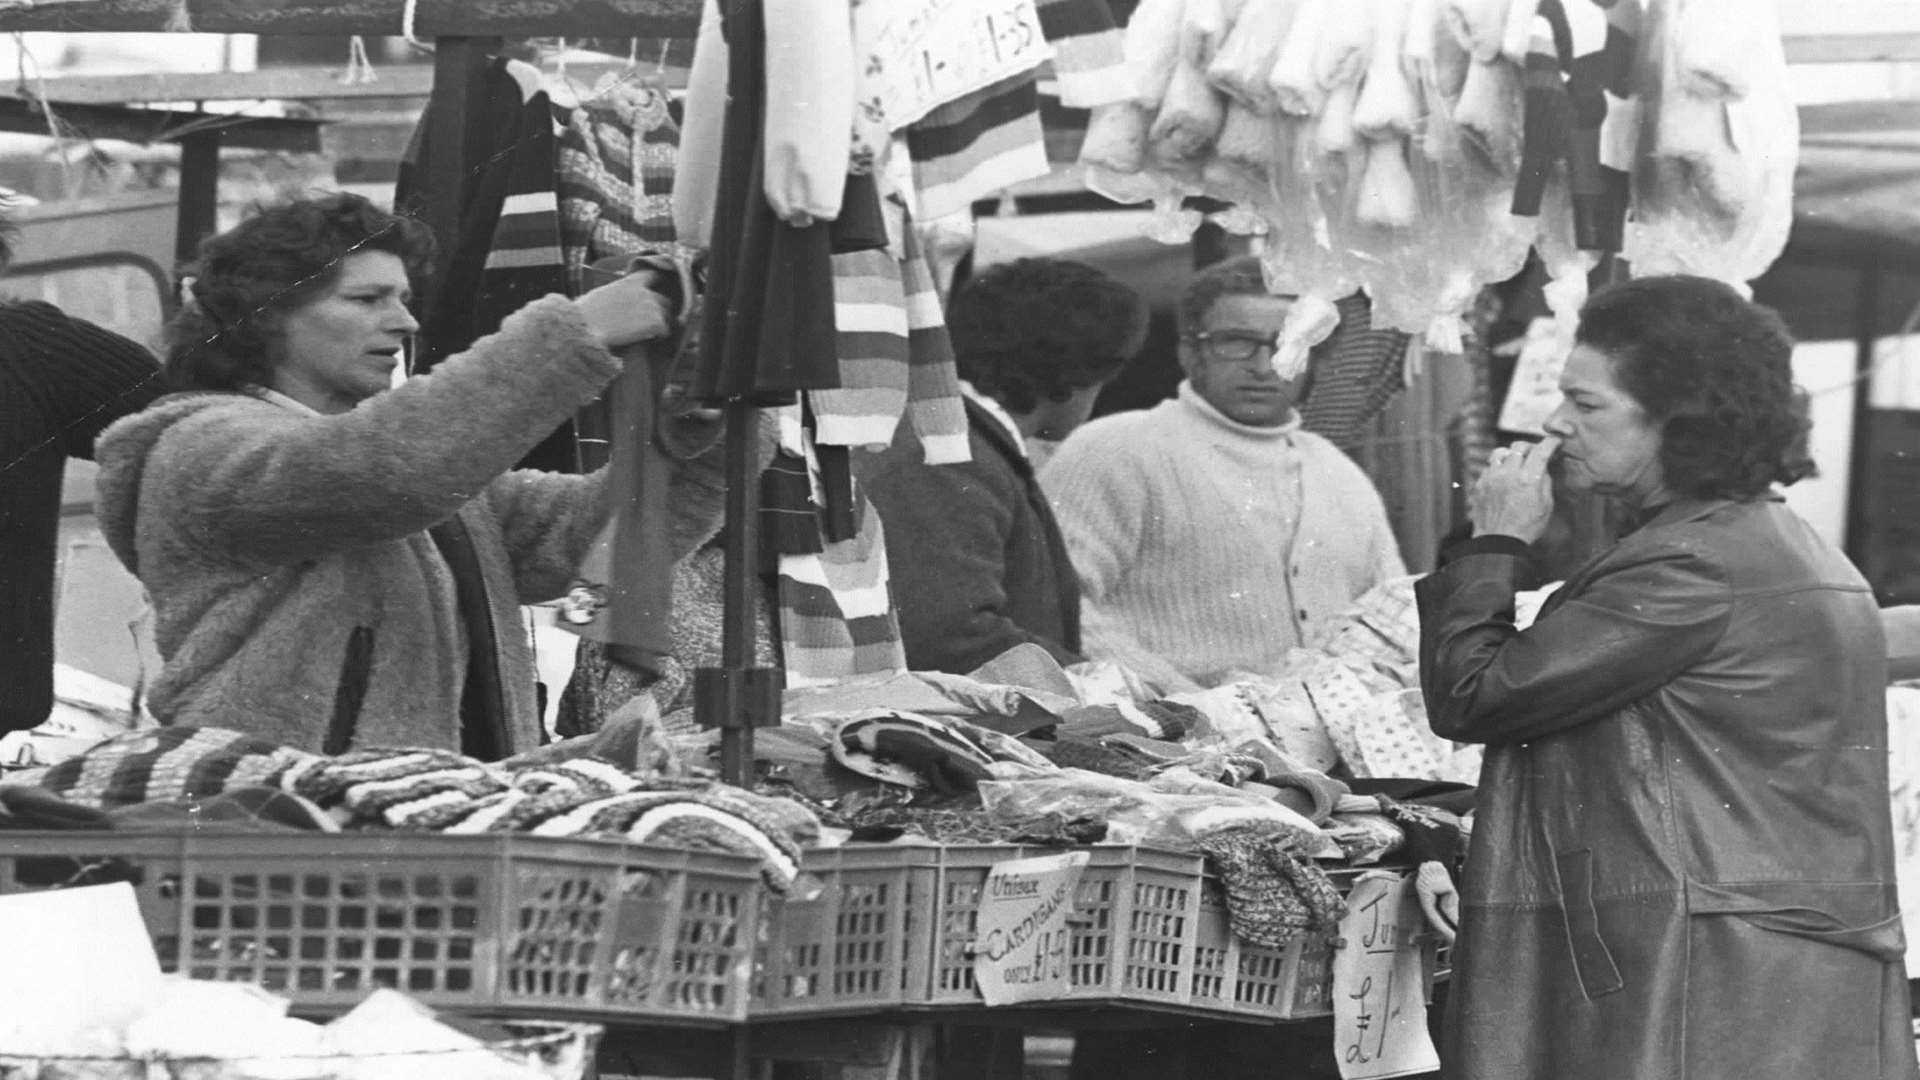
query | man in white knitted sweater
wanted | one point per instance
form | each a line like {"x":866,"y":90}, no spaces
{"x":1210,"y":533}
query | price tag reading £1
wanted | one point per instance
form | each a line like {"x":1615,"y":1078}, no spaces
{"x":1020,"y":953}
{"x":930,"y":52}
{"x":1379,"y":990}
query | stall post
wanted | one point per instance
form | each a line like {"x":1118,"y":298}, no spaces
{"x":737,"y":696}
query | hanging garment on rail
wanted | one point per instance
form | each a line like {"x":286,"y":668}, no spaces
{"x":507,"y":251}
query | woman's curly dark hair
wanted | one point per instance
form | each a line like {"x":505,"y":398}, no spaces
{"x":245,"y":279}
{"x":1036,"y":330}
{"x":1716,"y":371}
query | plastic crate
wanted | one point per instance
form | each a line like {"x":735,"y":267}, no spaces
{"x":1149,"y":929}
{"x":1132,"y":927}
{"x":1239,"y":979}
{"x":851,"y":936}
{"x":495,"y":925}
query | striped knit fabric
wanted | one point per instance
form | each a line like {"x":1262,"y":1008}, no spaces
{"x":870,"y":320}
{"x":934,"y":404}
{"x":616,"y":161}
{"x":166,"y":765}
{"x":1356,"y":373}
{"x":527,"y":234}
{"x":836,"y":611}
{"x":991,"y":139}
{"x":1088,"y":59}
{"x":974,"y":147}
{"x":895,"y":356}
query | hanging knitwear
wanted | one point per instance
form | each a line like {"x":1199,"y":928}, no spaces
{"x":1089,"y":61}
{"x":1565,"y":108}
{"x":1356,"y":373}
{"x":768,"y":314}
{"x":977,"y":146}
{"x":616,"y":176}
{"x":895,"y":354}
{"x":1620,"y":131}
{"x":507,"y":249}
{"x":622,"y":596}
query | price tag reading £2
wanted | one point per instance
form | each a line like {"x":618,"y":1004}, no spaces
{"x":1020,"y":953}
{"x":1379,"y":990}
{"x":930,"y":52}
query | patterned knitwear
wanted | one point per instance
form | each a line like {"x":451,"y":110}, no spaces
{"x":1274,"y":894}
{"x":440,"y":791}
{"x":165,"y":765}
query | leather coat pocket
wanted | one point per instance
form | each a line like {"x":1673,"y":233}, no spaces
{"x":1592,"y":961}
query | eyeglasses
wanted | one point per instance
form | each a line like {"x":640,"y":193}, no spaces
{"x":1235,"y":346}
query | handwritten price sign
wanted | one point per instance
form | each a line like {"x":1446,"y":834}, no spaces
{"x":930,"y":52}
{"x":1022,"y":947}
{"x":1379,"y":991}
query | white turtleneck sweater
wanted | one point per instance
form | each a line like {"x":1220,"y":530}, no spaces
{"x":1205,"y":546}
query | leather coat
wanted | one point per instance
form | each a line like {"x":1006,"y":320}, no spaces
{"x":1682,"y":862}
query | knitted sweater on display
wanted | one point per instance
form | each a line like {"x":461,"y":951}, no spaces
{"x":61,"y":381}
{"x":1210,"y":545}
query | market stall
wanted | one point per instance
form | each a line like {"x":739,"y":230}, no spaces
{"x":1029,"y":842}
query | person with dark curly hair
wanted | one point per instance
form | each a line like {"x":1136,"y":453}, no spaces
{"x":62,"y":380}
{"x":1682,"y":859}
{"x":335,"y":561}
{"x":976,"y":560}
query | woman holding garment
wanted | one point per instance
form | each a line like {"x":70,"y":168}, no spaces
{"x":334,"y":563}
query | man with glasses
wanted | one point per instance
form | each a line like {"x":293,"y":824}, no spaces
{"x":1211,"y":533}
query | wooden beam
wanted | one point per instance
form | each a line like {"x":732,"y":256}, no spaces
{"x":298,"y":136}
{"x":313,"y":83}
{"x":1860,"y":118}
{"x":1852,"y":48}
{"x":433,"y":18}
{"x":275,"y":84}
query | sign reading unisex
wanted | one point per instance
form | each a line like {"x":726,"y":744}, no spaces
{"x":1021,"y":948}
{"x":929,"y":52}
{"x":1379,"y":988}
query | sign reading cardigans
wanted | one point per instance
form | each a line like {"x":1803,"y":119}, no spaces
{"x":1210,"y":545}
{"x":977,"y":561}
{"x":62,"y":380}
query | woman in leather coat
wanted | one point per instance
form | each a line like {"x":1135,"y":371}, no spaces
{"x":1682,"y":863}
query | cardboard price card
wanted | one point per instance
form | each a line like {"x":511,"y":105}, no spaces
{"x":1379,"y":988}
{"x":930,"y":52}
{"x":1021,"y":948}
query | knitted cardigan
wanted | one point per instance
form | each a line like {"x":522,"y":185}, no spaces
{"x":295,"y":588}
{"x":61,"y":381}
{"x":1206,"y":546}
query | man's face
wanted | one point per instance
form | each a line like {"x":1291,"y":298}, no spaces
{"x":1231,"y":366}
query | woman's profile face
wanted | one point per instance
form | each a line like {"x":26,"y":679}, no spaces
{"x":341,"y":345}
{"x":1609,"y":444}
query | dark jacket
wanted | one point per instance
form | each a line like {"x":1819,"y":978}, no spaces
{"x":62,"y":381}
{"x":975,"y":557}
{"x":1682,"y":865}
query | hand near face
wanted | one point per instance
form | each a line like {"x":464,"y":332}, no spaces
{"x":627,"y":310}
{"x":1514,"y":496}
